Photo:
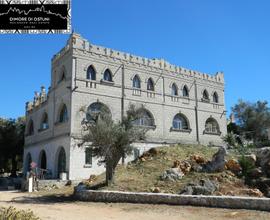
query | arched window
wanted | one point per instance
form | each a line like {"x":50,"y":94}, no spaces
{"x":44,"y":122}
{"x":174,"y":90}
{"x":205,"y":95}
{"x":145,"y":118}
{"x":107,"y":75}
{"x":211,"y":126}
{"x":185,"y":91}
{"x":91,"y":73}
{"x":95,"y":108}
{"x":30,"y":130}
{"x":63,"y":116}
{"x":180,"y":122}
{"x":136,"y":82}
{"x":215,"y":97}
{"x":150,"y":85}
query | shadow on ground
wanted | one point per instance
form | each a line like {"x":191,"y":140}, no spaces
{"x":41,"y":199}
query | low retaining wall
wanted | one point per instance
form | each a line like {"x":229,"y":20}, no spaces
{"x":231,"y":202}
{"x":52,"y":184}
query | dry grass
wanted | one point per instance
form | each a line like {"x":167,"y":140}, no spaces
{"x":140,"y":176}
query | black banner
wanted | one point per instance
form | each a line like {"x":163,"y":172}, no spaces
{"x":21,"y":17}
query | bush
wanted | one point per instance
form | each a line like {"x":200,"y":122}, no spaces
{"x":230,"y":140}
{"x":246,"y":165}
{"x":11,"y":213}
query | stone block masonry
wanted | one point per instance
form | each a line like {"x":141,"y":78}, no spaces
{"x":178,"y":105}
{"x":230,"y":202}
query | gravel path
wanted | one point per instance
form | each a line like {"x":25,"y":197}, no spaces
{"x":48,"y":207}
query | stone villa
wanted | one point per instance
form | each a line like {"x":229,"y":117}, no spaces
{"x":179,"y":105}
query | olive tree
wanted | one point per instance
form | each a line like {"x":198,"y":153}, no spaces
{"x":253,"y":119}
{"x":110,"y":140}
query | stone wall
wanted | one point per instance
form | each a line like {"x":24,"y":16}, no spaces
{"x":160,"y":103}
{"x":171,"y":199}
{"x":76,"y":91}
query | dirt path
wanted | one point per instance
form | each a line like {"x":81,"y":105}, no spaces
{"x":47,"y":207}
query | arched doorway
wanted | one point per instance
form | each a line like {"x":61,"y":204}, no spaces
{"x":43,"y":160}
{"x":61,"y":164}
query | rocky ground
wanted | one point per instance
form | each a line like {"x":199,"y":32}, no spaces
{"x":57,"y":205}
{"x":187,"y":169}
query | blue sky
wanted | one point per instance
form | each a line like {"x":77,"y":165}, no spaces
{"x":209,"y":36}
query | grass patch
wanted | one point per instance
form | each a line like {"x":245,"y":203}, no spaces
{"x":12,"y":213}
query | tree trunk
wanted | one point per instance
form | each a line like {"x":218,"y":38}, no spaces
{"x":14,"y":166}
{"x":109,"y":173}
{"x":110,"y":169}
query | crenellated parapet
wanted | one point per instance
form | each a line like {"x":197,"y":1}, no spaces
{"x":39,"y":98}
{"x":78,"y":43}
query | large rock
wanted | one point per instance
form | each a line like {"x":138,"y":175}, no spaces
{"x":217,"y":164}
{"x":155,"y":189}
{"x":204,"y":187}
{"x":263,"y":184}
{"x":233,"y":166}
{"x":80,"y":187}
{"x":184,"y":166}
{"x":198,"y":159}
{"x":255,"y":173}
{"x":251,"y":159}
{"x":172,"y":174}
{"x":252,"y":192}
{"x":263,"y":160}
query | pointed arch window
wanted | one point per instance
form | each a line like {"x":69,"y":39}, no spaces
{"x":215,"y":97}
{"x":205,"y":95}
{"x":136,"y":82}
{"x":150,"y":85}
{"x":44,"y":122}
{"x":107,"y":75}
{"x":30,"y":128}
{"x":174,"y":90}
{"x":185,"y":91}
{"x":91,"y":73}
{"x":63,"y":116}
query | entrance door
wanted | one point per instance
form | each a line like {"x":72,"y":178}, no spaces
{"x":61,"y":161}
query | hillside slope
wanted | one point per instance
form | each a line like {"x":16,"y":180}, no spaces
{"x":143,"y":175}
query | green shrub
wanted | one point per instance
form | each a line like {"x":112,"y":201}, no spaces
{"x":246,"y":165}
{"x":12,"y":213}
{"x":230,"y":140}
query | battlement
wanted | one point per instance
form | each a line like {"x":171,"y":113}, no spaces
{"x":39,"y":98}
{"x":77,"y":42}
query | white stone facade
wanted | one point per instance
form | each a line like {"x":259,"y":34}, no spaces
{"x":51,"y":126}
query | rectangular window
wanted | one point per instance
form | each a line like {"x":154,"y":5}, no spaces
{"x":88,"y":156}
